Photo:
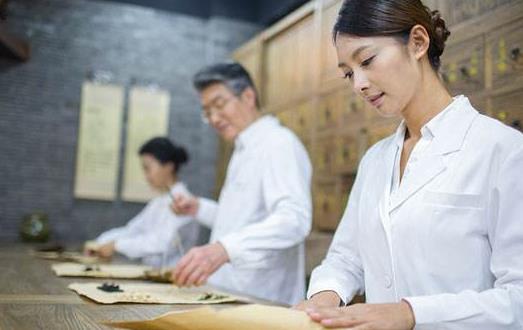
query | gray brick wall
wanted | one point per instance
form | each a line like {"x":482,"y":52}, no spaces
{"x":40,"y":100}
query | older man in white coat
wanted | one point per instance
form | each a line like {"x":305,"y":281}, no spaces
{"x":264,"y":211}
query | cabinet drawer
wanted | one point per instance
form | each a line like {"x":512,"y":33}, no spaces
{"x":508,"y":108}
{"x":506,"y":47}
{"x":346,"y":157}
{"x":327,"y":208}
{"x":324,"y":155}
{"x":463,"y":66}
{"x":352,"y":109}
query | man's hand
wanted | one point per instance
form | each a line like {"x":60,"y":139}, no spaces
{"x":185,"y":205}
{"x":198,"y":264}
{"x":321,"y":299}
{"x":396,"y":316}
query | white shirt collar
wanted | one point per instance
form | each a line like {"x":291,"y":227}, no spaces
{"x":255,"y":131}
{"x":433,"y":127}
{"x":178,"y":187}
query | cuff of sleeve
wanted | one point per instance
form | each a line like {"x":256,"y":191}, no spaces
{"x":206,"y":211}
{"x":317,"y":287}
{"x":231,"y":245}
{"x":125,"y":247}
{"x":423,"y":309}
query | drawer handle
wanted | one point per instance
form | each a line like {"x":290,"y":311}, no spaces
{"x":516,"y":124}
{"x":325,"y":206}
{"x":327,"y":113}
{"x":302,"y":121}
{"x":465,"y":72}
{"x":515,"y":53}
{"x":346,"y":153}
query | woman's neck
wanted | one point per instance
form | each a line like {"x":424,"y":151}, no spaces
{"x":428,"y":102}
{"x":171,"y":182}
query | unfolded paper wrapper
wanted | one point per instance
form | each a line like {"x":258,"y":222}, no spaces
{"x":249,"y":317}
{"x":152,"y":293}
{"x":101,"y":271}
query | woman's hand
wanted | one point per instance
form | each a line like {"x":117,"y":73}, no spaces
{"x":90,"y":248}
{"x":323,"y":299}
{"x":185,"y":205}
{"x":395,"y":316}
{"x":106,"y":250}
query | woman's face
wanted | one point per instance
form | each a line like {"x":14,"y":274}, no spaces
{"x":158,"y":175}
{"x":381,"y":70}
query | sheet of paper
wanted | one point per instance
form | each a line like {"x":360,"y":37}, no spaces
{"x":67,"y":256}
{"x":151,"y":293}
{"x":148,"y":118}
{"x":251,"y":317}
{"x":98,"y":148}
{"x":70,"y":269}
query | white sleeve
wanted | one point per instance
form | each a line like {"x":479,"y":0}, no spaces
{"x":153,"y":241}
{"x":111,"y":235}
{"x":501,"y":307}
{"x":207,"y":210}
{"x":134,"y":226}
{"x":341,"y":271}
{"x":286,"y":194}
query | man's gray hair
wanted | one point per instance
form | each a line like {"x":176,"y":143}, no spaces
{"x":232,"y":74}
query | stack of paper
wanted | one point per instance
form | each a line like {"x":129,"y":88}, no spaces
{"x":151,"y":293}
{"x":249,"y":317}
{"x":100,"y":271}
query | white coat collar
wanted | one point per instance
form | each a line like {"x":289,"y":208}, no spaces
{"x":449,"y":126}
{"x":449,"y":131}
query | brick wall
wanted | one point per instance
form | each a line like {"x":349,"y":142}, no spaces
{"x":40,"y":100}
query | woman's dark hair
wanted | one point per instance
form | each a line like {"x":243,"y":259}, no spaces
{"x":368,"y":18}
{"x":165,"y":151}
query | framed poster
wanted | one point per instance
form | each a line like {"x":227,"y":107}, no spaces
{"x":99,"y":141}
{"x":148,"y":118}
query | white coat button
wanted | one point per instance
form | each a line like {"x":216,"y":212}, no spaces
{"x":388,"y":281}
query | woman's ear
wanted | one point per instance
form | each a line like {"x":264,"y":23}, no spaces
{"x":419,"y":41}
{"x":170,"y":167}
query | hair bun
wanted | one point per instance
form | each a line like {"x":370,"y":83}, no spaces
{"x":180,"y":155}
{"x":440,"y":31}
{"x":440,"y":36}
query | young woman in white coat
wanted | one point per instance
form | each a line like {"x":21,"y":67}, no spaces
{"x":433,"y":230}
{"x":156,"y":235}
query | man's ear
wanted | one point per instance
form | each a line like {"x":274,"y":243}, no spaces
{"x":249,"y":96}
{"x":419,"y":41}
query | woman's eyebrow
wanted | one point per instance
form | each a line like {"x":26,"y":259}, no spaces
{"x":359,"y":50}
{"x":354,"y":55}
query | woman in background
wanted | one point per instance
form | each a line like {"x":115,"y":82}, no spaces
{"x":433,"y":230}
{"x":156,"y":235}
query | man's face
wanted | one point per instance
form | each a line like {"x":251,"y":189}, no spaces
{"x":227,"y":113}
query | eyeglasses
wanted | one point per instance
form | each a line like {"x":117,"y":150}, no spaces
{"x":215,"y":107}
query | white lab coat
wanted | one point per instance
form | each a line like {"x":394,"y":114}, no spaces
{"x":450,"y":241}
{"x":263,"y":214}
{"x":156,"y":235}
